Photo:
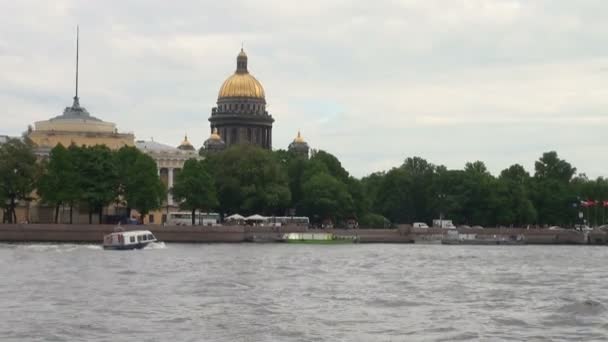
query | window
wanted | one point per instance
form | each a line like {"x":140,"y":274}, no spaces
{"x":150,"y":237}
{"x":132,"y":239}
{"x":164,"y":218}
{"x":151,"y":218}
{"x":139,"y":238}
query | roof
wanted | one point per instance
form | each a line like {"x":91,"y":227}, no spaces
{"x":75,"y":112}
{"x":153,"y":146}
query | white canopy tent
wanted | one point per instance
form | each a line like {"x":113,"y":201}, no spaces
{"x":235,"y":217}
{"x":256,"y":217}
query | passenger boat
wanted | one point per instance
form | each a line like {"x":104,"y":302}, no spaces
{"x":318,"y":238}
{"x":132,"y":239}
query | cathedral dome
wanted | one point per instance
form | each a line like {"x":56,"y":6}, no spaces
{"x":241,"y":83}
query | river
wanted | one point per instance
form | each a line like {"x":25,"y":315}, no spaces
{"x":279,"y":292}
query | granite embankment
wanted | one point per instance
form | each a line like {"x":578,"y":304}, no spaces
{"x":235,"y":234}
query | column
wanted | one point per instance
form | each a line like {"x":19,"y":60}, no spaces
{"x":170,"y":179}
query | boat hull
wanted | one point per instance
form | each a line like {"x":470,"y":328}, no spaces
{"x":126,"y":247}
{"x":321,"y":242}
{"x":483,"y":242}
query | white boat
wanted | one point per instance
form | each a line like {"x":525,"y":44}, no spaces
{"x":132,"y":239}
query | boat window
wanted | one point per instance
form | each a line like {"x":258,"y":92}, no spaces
{"x":139,"y":238}
{"x":132,"y":239}
{"x":150,"y":237}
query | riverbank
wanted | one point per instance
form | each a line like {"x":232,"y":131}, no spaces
{"x":238,"y":234}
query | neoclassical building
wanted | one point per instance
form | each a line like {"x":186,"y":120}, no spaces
{"x":240,"y":116}
{"x":76,"y":126}
{"x":169,"y":162}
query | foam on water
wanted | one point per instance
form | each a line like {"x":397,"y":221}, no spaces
{"x":59,"y":248}
{"x":156,"y":245}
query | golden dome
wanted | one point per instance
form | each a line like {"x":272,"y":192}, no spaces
{"x":299,"y":139}
{"x":215,"y":135}
{"x":185,"y":145}
{"x":242,"y":83}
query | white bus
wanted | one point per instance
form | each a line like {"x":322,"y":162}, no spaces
{"x":285,"y":220}
{"x":184,"y":218}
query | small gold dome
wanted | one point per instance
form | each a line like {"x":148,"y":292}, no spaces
{"x":299,"y":139}
{"x":185,"y":145}
{"x":215,"y":135}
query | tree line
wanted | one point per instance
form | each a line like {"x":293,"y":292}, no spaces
{"x":246,"y":179}
{"x":91,"y":177}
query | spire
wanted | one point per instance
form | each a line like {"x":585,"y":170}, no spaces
{"x":76,"y":101}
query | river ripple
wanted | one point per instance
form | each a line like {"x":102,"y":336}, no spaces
{"x":278,"y":292}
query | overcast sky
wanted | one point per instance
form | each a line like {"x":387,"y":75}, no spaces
{"x":451,"y":81}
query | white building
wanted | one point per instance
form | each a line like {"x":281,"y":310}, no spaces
{"x":169,"y":162}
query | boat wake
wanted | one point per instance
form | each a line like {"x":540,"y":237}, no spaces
{"x":59,"y":248}
{"x":156,"y":245}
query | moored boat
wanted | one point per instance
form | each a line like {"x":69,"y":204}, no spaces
{"x":319,"y":238}
{"x":132,"y":239}
{"x":455,"y":238}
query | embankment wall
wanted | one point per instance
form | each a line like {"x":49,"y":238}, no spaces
{"x":235,"y":234}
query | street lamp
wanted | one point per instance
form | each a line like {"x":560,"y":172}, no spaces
{"x":441,"y":198}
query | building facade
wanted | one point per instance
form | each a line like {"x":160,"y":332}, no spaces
{"x":169,"y":162}
{"x":76,"y":126}
{"x":240,"y":116}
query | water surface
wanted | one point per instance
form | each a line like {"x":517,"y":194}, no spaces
{"x":278,"y":292}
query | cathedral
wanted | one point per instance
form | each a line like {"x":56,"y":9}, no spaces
{"x":240,"y":116}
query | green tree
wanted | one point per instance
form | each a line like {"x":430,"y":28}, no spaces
{"x":194,"y":188}
{"x":139,"y":186}
{"x":250,"y":180}
{"x":98,"y":181}
{"x":552,"y":192}
{"x":515,"y":206}
{"x":333,"y":165}
{"x":59,"y":183}
{"x":326,"y":197}
{"x":18,"y":172}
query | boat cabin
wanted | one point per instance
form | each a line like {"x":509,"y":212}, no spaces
{"x":134,"y":239}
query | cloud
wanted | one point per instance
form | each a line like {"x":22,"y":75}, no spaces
{"x":453,"y":81}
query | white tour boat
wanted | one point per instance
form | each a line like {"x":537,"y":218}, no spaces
{"x":132,"y":239}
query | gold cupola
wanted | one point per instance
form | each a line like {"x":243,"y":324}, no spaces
{"x":186,"y":145}
{"x":241,"y":83}
{"x":299,"y":145}
{"x":214,"y":143}
{"x":215,"y":135}
{"x":299,"y":139}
